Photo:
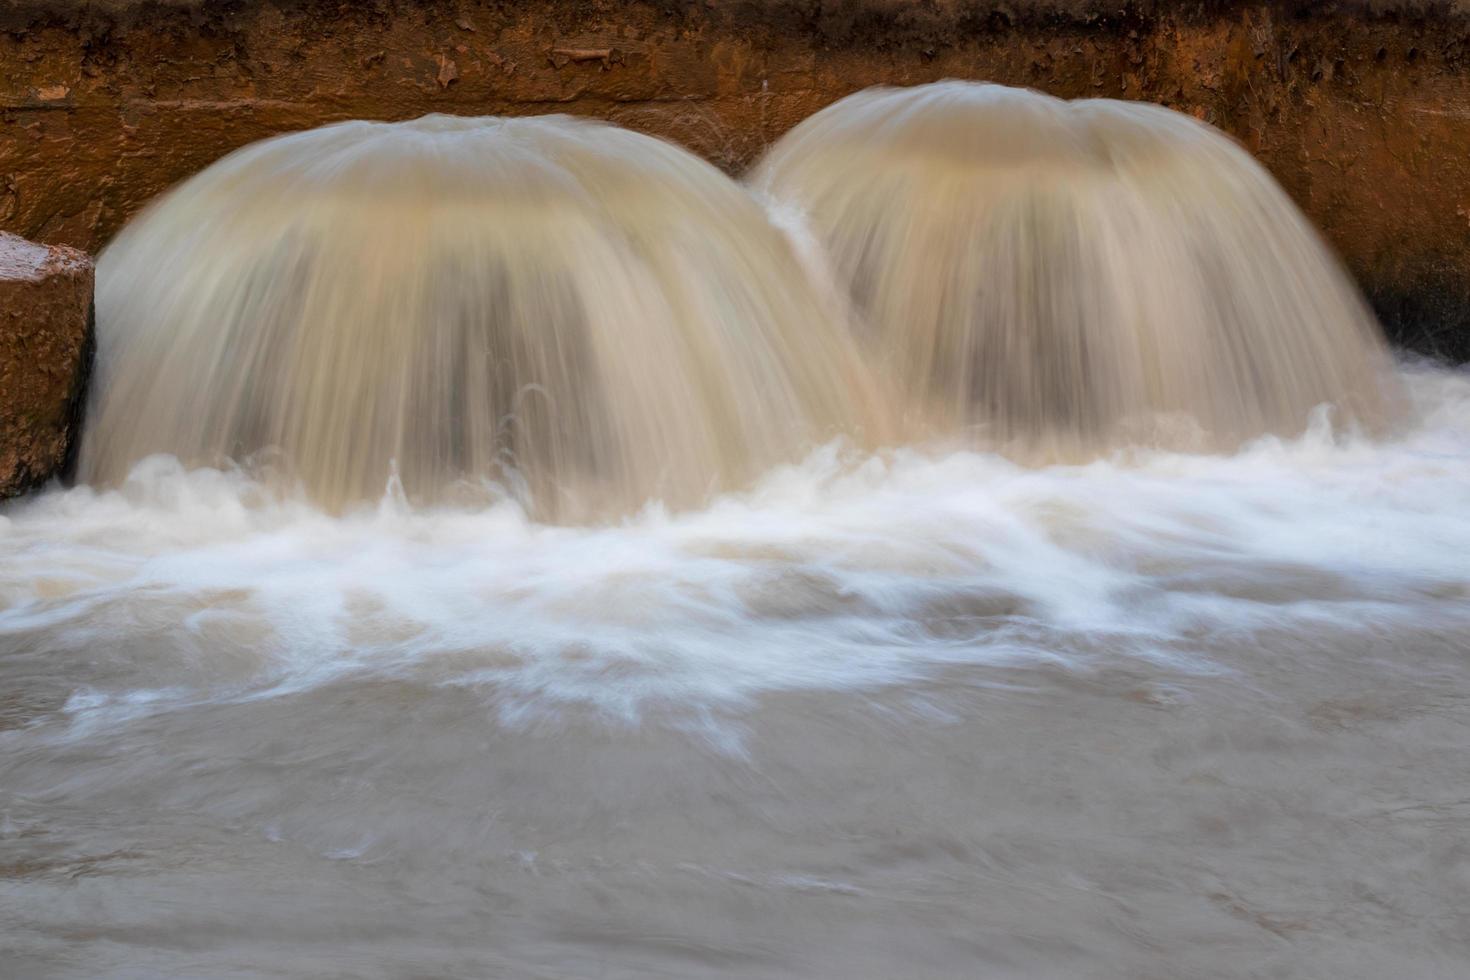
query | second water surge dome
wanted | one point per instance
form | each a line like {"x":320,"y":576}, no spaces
{"x":1062,"y":277}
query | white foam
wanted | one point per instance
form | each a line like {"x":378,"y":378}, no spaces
{"x":846,"y":571}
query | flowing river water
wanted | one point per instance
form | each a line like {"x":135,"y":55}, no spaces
{"x":900,"y":715}
{"x":870,"y":689}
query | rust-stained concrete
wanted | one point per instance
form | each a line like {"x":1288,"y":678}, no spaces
{"x":45,"y":352}
{"x":1362,"y":109}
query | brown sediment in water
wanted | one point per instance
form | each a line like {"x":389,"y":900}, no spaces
{"x":1063,"y":276}
{"x":594,"y":318}
{"x":557,"y":303}
{"x":1361,"y":110}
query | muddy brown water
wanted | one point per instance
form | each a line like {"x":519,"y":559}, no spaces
{"x":927,"y":715}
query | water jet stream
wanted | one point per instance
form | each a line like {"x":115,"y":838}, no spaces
{"x":1067,"y":276}
{"x":591,"y":315}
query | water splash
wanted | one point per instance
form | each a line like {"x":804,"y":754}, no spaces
{"x":585,"y":315}
{"x":1069,"y":275}
{"x":843,"y":571}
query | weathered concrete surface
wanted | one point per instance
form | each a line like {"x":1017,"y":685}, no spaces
{"x":45,"y":356}
{"x":1362,"y":109}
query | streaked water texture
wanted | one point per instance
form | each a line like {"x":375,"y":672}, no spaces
{"x":581,"y":315}
{"x":1062,"y":277}
{"x":910,"y":714}
{"x":992,"y":543}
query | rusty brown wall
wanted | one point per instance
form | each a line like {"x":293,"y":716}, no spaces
{"x":1362,"y":109}
{"x":45,"y":358}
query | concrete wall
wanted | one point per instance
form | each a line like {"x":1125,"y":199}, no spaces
{"x":45,"y":358}
{"x":1361,"y":109}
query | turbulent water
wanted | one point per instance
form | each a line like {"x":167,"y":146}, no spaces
{"x":503,"y":550}
{"x":585,"y":316}
{"x":912,"y":714}
{"x":1063,"y":275}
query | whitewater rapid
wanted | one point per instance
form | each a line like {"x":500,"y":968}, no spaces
{"x":924,"y":713}
{"x":843,"y":572}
